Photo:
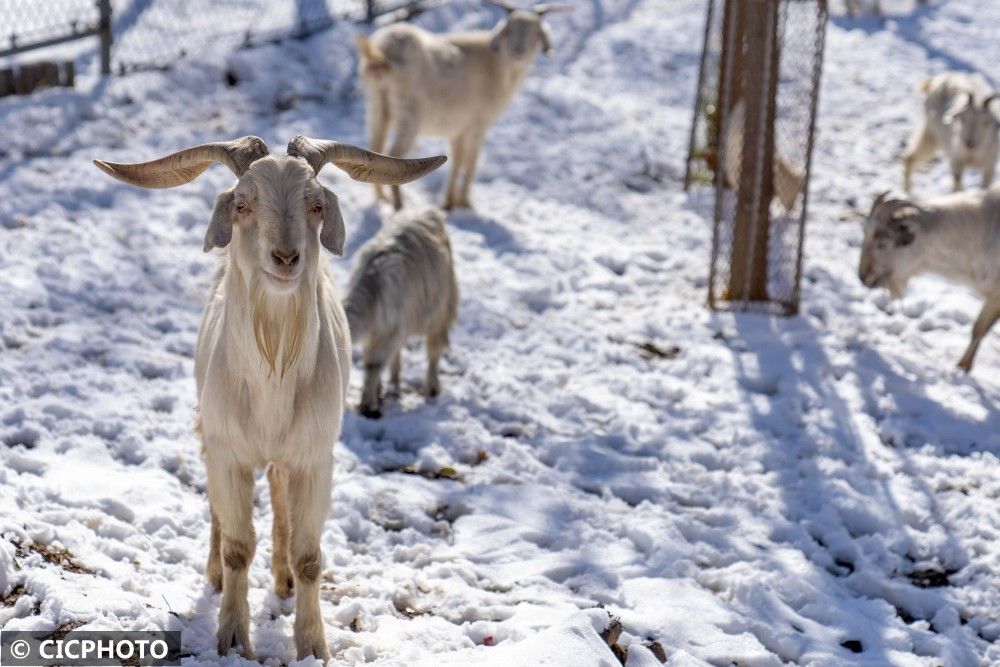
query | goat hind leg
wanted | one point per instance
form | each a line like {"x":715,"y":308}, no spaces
{"x":213,"y":571}
{"x":436,"y":343}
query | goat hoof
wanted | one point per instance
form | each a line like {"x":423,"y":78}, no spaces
{"x":214,"y":576}
{"x":369,"y":412}
{"x":433,"y":390}
{"x":232,"y":633}
{"x":314,"y":645}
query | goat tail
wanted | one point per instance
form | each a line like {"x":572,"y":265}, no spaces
{"x":373,"y":61}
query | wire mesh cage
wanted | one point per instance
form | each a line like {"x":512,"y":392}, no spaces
{"x":752,"y":138}
{"x":148,"y":34}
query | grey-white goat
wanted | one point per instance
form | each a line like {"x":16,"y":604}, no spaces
{"x":960,"y":118}
{"x":447,"y":85}
{"x":956,"y":236}
{"x":272,"y":359}
{"x":404,"y":285}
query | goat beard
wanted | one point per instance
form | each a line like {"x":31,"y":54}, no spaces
{"x":279,"y":325}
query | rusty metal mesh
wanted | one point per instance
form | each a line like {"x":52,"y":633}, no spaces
{"x":752,"y":139}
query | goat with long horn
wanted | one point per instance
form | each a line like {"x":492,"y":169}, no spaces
{"x":272,"y":359}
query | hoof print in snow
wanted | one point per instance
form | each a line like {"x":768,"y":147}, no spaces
{"x":649,"y":350}
{"x":852,"y":645}
{"x":930,"y":578}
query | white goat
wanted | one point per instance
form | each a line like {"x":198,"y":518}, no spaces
{"x":956,"y":237}
{"x":854,"y":6}
{"x":404,"y":285}
{"x":959,"y":118}
{"x":453,"y":86}
{"x":272,"y":358}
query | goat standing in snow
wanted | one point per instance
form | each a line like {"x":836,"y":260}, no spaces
{"x":961,"y":118}
{"x":404,"y":285}
{"x":453,"y":86}
{"x":956,"y":237}
{"x":272,"y":358}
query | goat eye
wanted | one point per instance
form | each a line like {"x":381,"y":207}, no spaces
{"x":242,"y":207}
{"x":316,"y":208}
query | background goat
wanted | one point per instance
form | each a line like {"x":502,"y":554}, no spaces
{"x":956,"y":237}
{"x":960,"y":118}
{"x":404,"y":285}
{"x":453,"y":86}
{"x":272,"y":358}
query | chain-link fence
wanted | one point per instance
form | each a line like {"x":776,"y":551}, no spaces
{"x":153,"y":34}
{"x":752,"y":138}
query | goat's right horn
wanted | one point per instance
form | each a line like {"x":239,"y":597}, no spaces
{"x":186,"y":165}
{"x":362,"y":165}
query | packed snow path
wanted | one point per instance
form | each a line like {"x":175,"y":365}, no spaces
{"x":820,"y":490}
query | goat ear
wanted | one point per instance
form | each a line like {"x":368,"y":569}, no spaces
{"x":220,"y":229}
{"x":546,"y":39}
{"x":333,"y":234}
{"x":499,"y":34}
{"x":903,"y":229}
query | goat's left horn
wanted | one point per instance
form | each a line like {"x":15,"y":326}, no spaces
{"x":504,"y":5}
{"x":550,"y":8}
{"x":991,"y":98}
{"x":186,"y":165}
{"x":362,"y":165}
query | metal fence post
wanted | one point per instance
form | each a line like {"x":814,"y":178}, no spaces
{"x":104,"y":33}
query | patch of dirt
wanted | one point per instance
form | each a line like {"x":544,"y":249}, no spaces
{"x":61,"y":557}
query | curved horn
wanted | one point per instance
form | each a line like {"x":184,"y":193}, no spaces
{"x":186,"y":165}
{"x":551,"y":7}
{"x":888,"y":203}
{"x":362,"y":165}
{"x":504,"y":5}
{"x":992,"y":97}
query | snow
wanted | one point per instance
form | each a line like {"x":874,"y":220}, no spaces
{"x":773,"y":495}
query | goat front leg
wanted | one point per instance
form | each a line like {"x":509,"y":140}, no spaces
{"x":277,"y":478}
{"x":406,"y":135}
{"x":230,"y":492}
{"x":920,"y":151}
{"x":309,"y":499}
{"x":378,"y":120}
{"x":988,"y":316}
{"x":452,"y":190}
{"x":957,"y":169}
{"x":473,"y":144}
{"x":380,"y":350}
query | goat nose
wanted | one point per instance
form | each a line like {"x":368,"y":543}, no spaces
{"x":285,"y":257}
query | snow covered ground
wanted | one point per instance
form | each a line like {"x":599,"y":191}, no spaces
{"x":820,"y":490}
